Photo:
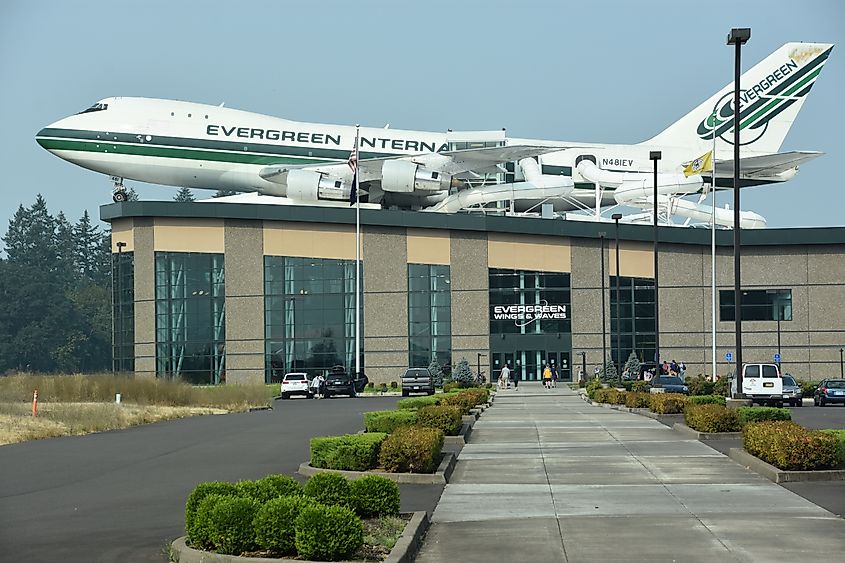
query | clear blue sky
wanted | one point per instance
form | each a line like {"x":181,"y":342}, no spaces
{"x":599,"y":71}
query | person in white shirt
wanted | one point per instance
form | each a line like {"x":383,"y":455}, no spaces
{"x":316,"y":386}
{"x":504,"y":378}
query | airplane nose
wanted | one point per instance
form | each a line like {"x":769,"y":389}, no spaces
{"x":40,"y":137}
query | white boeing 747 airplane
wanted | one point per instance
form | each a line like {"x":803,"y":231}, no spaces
{"x":211,"y":147}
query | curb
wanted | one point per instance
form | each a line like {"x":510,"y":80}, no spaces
{"x":403,"y":552}
{"x":439,"y":477}
{"x":776,"y":475}
{"x":461,"y":438}
{"x":684,"y":429}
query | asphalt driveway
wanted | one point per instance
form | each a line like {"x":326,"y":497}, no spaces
{"x":120,"y":496}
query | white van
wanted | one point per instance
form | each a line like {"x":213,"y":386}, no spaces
{"x":762,"y":383}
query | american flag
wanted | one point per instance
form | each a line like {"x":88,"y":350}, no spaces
{"x":352,"y":161}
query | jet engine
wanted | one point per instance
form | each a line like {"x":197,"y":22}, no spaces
{"x":405,"y":176}
{"x":308,"y":185}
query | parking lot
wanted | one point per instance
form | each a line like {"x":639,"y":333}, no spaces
{"x":120,"y":496}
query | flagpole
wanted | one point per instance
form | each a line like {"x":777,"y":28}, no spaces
{"x":713,"y":250}
{"x":357,"y":261}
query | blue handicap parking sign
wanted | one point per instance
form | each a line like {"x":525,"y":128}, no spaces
{"x":777,"y":358}
{"x":728,"y":356}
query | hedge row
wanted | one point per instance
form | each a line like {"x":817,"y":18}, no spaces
{"x":791,"y":447}
{"x":351,"y":452}
{"x":418,"y":402}
{"x":711,"y":418}
{"x":388,"y":421}
{"x":321,"y":521}
{"x":412,"y":449}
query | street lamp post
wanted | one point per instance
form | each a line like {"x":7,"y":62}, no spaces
{"x":841,"y":363}
{"x":603,"y":310}
{"x":616,"y":217}
{"x":584,"y":366}
{"x":119,"y":324}
{"x":478,"y":373}
{"x":737,"y":37}
{"x":654,"y":156}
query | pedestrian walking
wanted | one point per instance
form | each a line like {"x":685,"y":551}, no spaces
{"x":547,"y":376}
{"x":554,"y":375}
{"x":515,"y":378}
{"x":504,"y":377}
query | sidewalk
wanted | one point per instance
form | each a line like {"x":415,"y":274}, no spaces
{"x":547,"y":477}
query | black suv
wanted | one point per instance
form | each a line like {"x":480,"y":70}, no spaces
{"x":339,"y":382}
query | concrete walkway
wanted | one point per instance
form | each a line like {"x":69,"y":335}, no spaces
{"x":547,"y":477}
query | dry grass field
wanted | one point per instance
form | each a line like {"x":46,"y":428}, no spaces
{"x":80,"y":404}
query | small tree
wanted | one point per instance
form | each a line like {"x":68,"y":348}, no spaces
{"x":184,"y":195}
{"x":609,"y":373}
{"x":632,"y":365}
{"x":436,"y":372}
{"x":463,"y":373}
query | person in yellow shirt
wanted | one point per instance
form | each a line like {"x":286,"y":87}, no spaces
{"x":547,"y":376}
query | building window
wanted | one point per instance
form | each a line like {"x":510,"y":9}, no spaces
{"x":429,"y":315}
{"x":190,"y":317}
{"x":123,"y":311}
{"x":636,"y":317}
{"x":309,"y":315}
{"x":515,"y":287}
{"x":757,"y":305}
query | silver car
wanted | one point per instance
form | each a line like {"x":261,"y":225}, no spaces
{"x":792,"y":392}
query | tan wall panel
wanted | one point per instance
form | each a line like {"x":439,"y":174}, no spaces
{"x":309,"y":240}
{"x":123,"y":230}
{"x":428,"y":246}
{"x":525,"y":252}
{"x":188,"y":235}
{"x":636,"y":260}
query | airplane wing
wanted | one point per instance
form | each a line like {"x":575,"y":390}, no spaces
{"x":767,"y":165}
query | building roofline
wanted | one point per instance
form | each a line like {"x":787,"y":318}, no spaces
{"x":466,"y":222}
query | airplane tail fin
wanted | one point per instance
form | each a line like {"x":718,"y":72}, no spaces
{"x":772,"y":92}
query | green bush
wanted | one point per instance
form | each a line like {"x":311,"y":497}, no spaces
{"x":667,"y":403}
{"x":639,"y":386}
{"x":789,"y":446}
{"x":449,"y":387}
{"x":329,"y":488}
{"x":722,"y":387}
{"x":198,"y":494}
{"x":388,"y":421}
{"x":760,"y":414}
{"x":699,"y":385}
{"x":373,"y":495}
{"x":328,"y":533}
{"x":273,"y":524}
{"x":611,"y":396}
{"x":711,"y":418}
{"x":275,"y":486}
{"x":199,"y":533}
{"x":840,"y":450}
{"x":412,"y":449}
{"x":592,"y":387}
{"x":351,"y":452}
{"x":706,"y":400}
{"x":394,"y":385}
{"x":462,"y":400}
{"x":807,"y":387}
{"x":637,"y":400}
{"x":231,"y":525}
{"x":446,"y":418}
{"x":418,"y":402}
{"x":618,"y":397}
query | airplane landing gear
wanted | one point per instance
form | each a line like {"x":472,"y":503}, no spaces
{"x":119,"y":194}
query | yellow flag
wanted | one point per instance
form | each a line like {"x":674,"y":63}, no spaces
{"x":703,"y":163}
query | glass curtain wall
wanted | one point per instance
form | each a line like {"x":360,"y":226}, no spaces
{"x":123,"y":312}
{"x":636,"y":319}
{"x":190,"y":317}
{"x":429,"y":315}
{"x":515,"y":287}
{"x":757,"y":305}
{"x":309,"y":315}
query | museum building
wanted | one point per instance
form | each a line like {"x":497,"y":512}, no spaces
{"x":215,"y":292}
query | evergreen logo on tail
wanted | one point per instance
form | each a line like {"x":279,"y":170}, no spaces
{"x":773,"y":94}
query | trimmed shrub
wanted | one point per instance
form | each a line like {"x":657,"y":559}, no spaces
{"x":748,"y":415}
{"x":329,"y":489}
{"x":807,"y":387}
{"x":617,"y":397}
{"x":636,"y":400}
{"x":230,"y":523}
{"x":452,"y":386}
{"x":610,"y":396}
{"x":275,"y":486}
{"x":789,"y":446}
{"x":328,"y":533}
{"x":199,"y":533}
{"x":463,"y":400}
{"x":711,"y":418}
{"x":639,"y":386}
{"x":722,"y":387}
{"x":840,"y":450}
{"x":199,"y":493}
{"x":388,"y":421}
{"x":667,"y":403}
{"x":593,"y":387}
{"x":273,"y":524}
{"x":706,"y":400}
{"x":351,"y":452}
{"x":446,"y":418}
{"x":418,"y":402}
{"x":412,"y":449}
{"x":602,"y":395}
{"x":699,"y":385}
{"x":373,"y":495}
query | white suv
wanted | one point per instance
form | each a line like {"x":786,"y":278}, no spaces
{"x":296,"y":384}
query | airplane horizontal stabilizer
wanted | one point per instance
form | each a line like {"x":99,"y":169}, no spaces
{"x":765,"y":166}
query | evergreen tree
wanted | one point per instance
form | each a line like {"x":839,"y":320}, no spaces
{"x":184,"y":194}
{"x":632,"y":365}
{"x":436,"y":372}
{"x":87,"y":239}
{"x":609,"y":372}
{"x":67,"y":258}
{"x":31,"y":240}
{"x":463,"y":374}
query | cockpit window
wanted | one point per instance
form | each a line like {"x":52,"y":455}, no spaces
{"x":95,"y":107}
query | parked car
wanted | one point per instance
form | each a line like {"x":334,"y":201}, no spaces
{"x":670,"y":384}
{"x":792,"y":391}
{"x":417,"y":380}
{"x":339,"y":382}
{"x":829,"y":391}
{"x":296,"y":383}
{"x":762,"y":383}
